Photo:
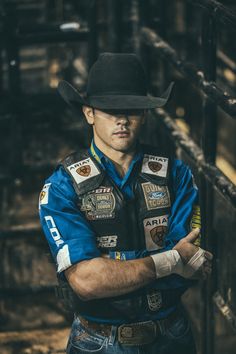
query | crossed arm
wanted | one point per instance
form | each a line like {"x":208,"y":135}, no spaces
{"x":102,"y":277}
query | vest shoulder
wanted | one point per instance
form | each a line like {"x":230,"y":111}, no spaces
{"x":74,"y":156}
{"x":84,"y":170}
{"x":153,"y":150}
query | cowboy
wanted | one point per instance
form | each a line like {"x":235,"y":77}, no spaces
{"x":117,"y":218}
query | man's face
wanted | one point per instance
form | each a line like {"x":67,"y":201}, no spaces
{"x":117,"y":130}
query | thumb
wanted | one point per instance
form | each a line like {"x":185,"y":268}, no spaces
{"x":193,"y":235}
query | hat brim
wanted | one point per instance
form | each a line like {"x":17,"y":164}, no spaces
{"x":75,"y":100}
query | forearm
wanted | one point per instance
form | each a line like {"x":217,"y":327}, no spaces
{"x":101,"y":277}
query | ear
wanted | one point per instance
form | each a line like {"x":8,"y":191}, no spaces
{"x":89,"y":114}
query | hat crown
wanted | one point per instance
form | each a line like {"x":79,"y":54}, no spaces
{"x":117,"y":74}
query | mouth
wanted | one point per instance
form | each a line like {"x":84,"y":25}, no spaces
{"x":122,"y":133}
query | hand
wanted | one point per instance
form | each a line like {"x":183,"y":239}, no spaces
{"x":186,"y":248}
{"x":205,"y":270}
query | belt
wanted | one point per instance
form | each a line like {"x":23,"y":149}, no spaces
{"x":138,"y":333}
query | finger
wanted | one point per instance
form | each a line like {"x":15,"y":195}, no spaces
{"x":208,"y":255}
{"x":207,"y":262}
{"x":207,"y":270}
{"x":193,"y":235}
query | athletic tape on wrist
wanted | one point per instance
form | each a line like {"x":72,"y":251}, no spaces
{"x":195,"y":263}
{"x":167,"y":263}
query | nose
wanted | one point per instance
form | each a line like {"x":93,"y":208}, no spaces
{"x":122,"y":119}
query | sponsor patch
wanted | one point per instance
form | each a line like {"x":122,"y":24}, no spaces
{"x":43,"y":197}
{"x":107,"y":241}
{"x":120,"y":256}
{"x":155,"y":230}
{"x":99,"y":204}
{"x":83,"y":170}
{"x":154,"y":299}
{"x":53,"y":230}
{"x":196,"y":222}
{"x":155,"y":165}
{"x":156,"y":196}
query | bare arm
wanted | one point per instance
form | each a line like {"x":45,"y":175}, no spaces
{"x":102,"y":277}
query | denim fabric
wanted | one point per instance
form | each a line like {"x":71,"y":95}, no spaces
{"x":177,"y":339}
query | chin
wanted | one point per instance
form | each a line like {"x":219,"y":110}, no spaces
{"x":124,"y":147}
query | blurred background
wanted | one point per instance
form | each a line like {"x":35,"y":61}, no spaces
{"x":42,"y":42}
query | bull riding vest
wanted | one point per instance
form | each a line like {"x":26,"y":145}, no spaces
{"x":124,"y":228}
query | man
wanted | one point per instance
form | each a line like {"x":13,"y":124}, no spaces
{"x":117,"y":218}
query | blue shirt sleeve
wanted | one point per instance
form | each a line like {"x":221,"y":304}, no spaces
{"x":185,"y":198}
{"x":68,"y":233}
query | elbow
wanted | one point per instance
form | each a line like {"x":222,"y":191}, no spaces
{"x":83,"y":288}
{"x":86,"y":293}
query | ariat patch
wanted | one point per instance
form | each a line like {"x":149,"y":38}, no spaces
{"x":106,"y":241}
{"x":83,"y":170}
{"x":154,"y":299}
{"x":155,"y":165}
{"x":155,"y":230}
{"x":156,"y":196}
{"x":43,"y":197}
{"x":99,"y":204}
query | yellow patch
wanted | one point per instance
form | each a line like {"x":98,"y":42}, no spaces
{"x":196,"y":222}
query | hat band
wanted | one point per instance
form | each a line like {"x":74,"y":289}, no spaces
{"x":118,"y":93}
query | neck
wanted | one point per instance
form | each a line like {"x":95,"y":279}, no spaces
{"x":121,"y":159}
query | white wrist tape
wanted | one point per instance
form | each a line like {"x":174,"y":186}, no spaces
{"x":194,"y":264}
{"x":167,"y":262}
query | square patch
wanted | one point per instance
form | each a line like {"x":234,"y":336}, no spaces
{"x":155,"y":230}
{"x":155,"y":165}
{"x":156,"y":197}
{"x":83,"y":170}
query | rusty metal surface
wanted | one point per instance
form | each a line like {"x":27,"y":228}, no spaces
{"x":218,"y":11}
{"x":196,"y":77}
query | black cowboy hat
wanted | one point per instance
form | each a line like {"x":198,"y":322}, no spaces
{"x":115,"y":81}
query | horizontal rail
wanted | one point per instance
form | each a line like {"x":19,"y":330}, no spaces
{"x":211,"y":172}
{"x":47,"y":34}
{"x":26,"y":290}
{"x":195,"y":76}
{"x":20,"y":230}
{"x":218,"y":11}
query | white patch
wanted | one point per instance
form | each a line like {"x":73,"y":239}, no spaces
{"x":83,"y":170}
{"x":43,"y":197}
{"x":53,"y":230}
{"x":155,"y":165}
{"x":107,"y":241}
{"x":155,"y":230}
{"x":63,"y":259}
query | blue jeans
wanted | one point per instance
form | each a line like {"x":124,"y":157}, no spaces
{"x":177,"y":339}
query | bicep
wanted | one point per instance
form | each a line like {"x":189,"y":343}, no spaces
{"x":69,"y":235}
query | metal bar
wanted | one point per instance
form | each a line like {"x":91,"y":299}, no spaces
{"x":209,"y":141}
{"x":212,"y":173}
{"x":195,"y":76}
{"x":12,"y":50}
{"x":218,"y":11}
{"x":93,"y":33}
{"x":131,"y":25}
{"x":225,"y":310}
{"x":115,"y":35}
{"x":24,"y":230}
{"x":22,"y":291}
{"x":52,"y":37}
{"x":209,"y":137}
